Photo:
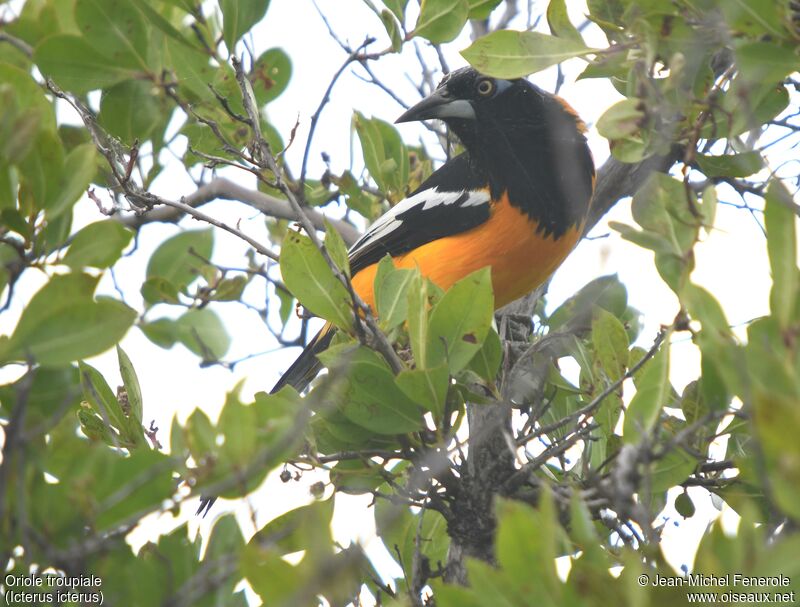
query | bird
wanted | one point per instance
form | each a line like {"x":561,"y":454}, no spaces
{"x":516,"y":199}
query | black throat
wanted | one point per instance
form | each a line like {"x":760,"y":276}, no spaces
{"x":530,"y":146}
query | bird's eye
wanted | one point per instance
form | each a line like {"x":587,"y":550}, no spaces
{"x":486,"y":87}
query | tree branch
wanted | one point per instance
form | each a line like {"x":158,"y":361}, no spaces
{"x":20,"y":45}
{"x":617,"y":180}
{"x":222,"y":188}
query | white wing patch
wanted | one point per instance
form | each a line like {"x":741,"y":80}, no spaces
{"x":418,"y":204}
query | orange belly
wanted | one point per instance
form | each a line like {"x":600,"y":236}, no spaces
{"x":521,"y":259}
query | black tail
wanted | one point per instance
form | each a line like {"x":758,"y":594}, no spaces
{"x":307,"y":365}
{"x":299,"y":375}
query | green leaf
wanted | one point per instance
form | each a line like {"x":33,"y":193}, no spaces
{"x":671,"y":470}
{"x":270,"y":576}
{"x":614,"y":67}
{"x":95,"y":428}
{"x":192,"y":70}
{"x":98,"y":245}
{"x":582,"y":530}
{"x":752,"y":17}
{"x":28,"y":94}
{"x":630,"y":149}
{"x":203,"y":333}
{"x":187,"y":6}
{"x":780,"y":222}
{"x":684,"y":505}
{"x":306,"y":528}
{"x":80,"y":167}
{"x":96,"y":482}
{"x":100,"y":396}
{"x":105,"y":403}
{"x":335,"y":433}
{"x":131,"y":381}
{"x":702,"y":306}
{"x":238,"y":17}
{"x":398,"y":7}
{"x":528,"y":542}
{"x":60,"y":288}
{"x":426,"y":387}
{"x":131,"y":110}
{"x":270,"y":75}
{"x":385,"y":154}
{"x":693,"y":403}
{"x":308,"y":276}
{"x":610,"y":343}
{"x":662,"y":209}
{"x":460,"y":321}
{"x":336,"y":248}
{"x":560,"y":25}
{"x":358,"y":200}
{"x":747,"y":105}
{"x":298,"y":529}
{"x":201,"y":437}
{"x":19,"y":127}
{"x":652,"y":389}
{"x":563,"y":397}
{"x":441,"y":20}
{"x":77,"y":66}
{"x":56,"y":232}
{"x":356,"y":477}
{"x":229,"y":289}
{"x":41,"y":173}
{"x":226,"y":541}
{"x":418,"y":318}
{"x":369,"y":393}
{"x":398,"y":527}
{"x":159,"y":290}
{"x":115,"y":28}
{"x":392,"y":29}
{"x":202,"y":139}
{"x":161,"y":332}
{"x":606,"y":292}
{"x":510,"y":54}
{"x":178,"y":259}
{"x":153,"y":17}
{"x":238,"y":423}
{"x":48,"y":393}
{"x":731,"y":165}
{"x":486,"y":363}
{"x":643,"y":238}
{"x":391,"y":292}
{"x":147,"y":470}
{"x":708,"y":207}
{"x":62,"y":323}
{"x":481,"y":9}
{"x":621,"y":119}
{"x":765,"y":62}
{"x":177,"y":443}
{"x":286,"y":305}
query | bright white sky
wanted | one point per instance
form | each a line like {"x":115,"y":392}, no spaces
{"x":731,"y":261}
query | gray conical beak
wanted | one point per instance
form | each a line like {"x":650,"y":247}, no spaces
{"x":437,"y":105}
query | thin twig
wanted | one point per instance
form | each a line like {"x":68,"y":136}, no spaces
{"x":20,"y":45}
{"x":353,"y":56}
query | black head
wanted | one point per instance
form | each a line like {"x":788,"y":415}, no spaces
{"x":475,"y":106}
{"x":523,"y":140}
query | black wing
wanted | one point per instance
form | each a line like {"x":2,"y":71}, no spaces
{"x":452,"y":200}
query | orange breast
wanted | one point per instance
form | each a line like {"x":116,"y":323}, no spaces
{"x":521,"y":259}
